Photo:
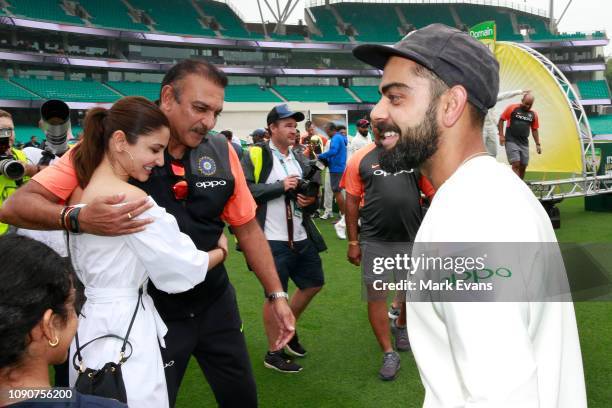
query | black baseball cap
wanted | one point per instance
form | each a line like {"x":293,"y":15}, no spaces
{"x":283,"y":112}
{"x":453,"y":55}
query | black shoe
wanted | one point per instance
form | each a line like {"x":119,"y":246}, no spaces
{"x":276,"y":361}
{"x":295,"y":348}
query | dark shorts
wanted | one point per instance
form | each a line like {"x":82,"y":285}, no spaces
{"x":334,"y":181}
{"x":302,"y":264}
{"x":517,"y":152}
{"x":370,"y":250}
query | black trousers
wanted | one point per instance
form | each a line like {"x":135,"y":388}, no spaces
{"x":215,"y":339}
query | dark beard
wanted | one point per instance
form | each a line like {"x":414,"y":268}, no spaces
{"x":415,"y":144}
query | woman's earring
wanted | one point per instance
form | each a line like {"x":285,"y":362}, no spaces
{"x":130,"y":154}
{"x":131,"y":158}
{"x":54,"y":343}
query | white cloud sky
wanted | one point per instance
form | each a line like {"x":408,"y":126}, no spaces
{"x":582,"y":15}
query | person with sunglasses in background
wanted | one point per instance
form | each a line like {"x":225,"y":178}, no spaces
{"x":202,"y":185}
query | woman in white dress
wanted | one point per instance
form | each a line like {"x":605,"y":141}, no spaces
{"x":124,"y":142}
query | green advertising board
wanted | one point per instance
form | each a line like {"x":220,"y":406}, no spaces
{"x":486,"y":33}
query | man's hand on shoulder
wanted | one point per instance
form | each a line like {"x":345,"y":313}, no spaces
{"x":103,"y":217}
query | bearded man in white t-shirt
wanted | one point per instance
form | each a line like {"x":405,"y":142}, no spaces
{"x":522,"y":351}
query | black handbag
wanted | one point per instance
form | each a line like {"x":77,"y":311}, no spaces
{"x":107,"y":381}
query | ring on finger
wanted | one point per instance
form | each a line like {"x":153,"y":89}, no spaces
{"x":129,"y":216}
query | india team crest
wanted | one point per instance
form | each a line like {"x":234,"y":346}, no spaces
{"x":207,"y":166}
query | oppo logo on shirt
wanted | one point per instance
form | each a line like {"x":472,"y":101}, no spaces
{"x":523,"y":117}
{"x":383,"y":173}
{"x":211,"y":183}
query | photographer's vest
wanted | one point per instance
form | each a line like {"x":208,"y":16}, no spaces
{"x":256,"y":155}
{"x":8,"y":186}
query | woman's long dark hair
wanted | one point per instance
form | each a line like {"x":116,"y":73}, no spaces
{"x":134,"y":115}
{"x":34,"y":278}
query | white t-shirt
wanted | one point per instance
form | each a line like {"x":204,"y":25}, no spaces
{"x":275,"y":228}
{"x":493,"y":354}
{"x":357,"y":142}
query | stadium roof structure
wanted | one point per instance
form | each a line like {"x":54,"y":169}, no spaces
{"x":329,"y":24}
{"x":496,"y":3}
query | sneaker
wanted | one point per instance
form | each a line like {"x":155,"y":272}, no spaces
{"x":295,"y":348}
{"x":277,"y":361}
{"x":390,"y":367}
{"x":326,"y":215}
{"x":402,"y":343}
{"x":340,"y":230}
{"x":394,"y":312}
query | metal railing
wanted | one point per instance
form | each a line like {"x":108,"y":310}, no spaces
{"x":495,"y":3}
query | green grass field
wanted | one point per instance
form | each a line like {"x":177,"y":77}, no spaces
{"x":341,"y":367}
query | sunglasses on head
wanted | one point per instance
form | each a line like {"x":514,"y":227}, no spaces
{"x":180,"y":188}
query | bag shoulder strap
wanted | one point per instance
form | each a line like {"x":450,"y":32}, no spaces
{"x":122,"y":357}
{"x":77,"y":354}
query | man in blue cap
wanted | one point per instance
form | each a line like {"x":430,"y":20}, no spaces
{"x":274,"y":172}
{"x":437,"y":86}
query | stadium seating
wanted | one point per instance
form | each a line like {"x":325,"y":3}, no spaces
{"x":176,"y":16}
{"x":286,"y":37}
{"x":232,"y":25}
{"x":111,"y":13}
{"x":538,"y":24}
{"x":249,"y":93}
{"x":424,"y":14}
{"x":367,"y":93}
{"x":147,"y":89}
{"x":313,"y":93}
{"x":599,"y":34}
{"x":471,"y":15}
{"x":601,"y":125}
{"x":233,"y":93}
{"x":12,"y":91}
{"x":326,"y":22}
{"x":593,"y":89}
{"x":373,"y":22}
{"x":76,"y":91}
{"x":42,"y":10}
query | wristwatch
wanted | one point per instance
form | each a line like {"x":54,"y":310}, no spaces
{"x":277,"y":295}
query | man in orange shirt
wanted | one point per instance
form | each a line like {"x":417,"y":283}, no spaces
{"x":202,"y":185}
{"x":389,"y":208}
{"x":521,"y":119}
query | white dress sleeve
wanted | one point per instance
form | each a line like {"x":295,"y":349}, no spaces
{"x":171,"y":259}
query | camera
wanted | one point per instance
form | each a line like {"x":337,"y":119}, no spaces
{"x":309,"y":184}
{"x":9,"y":167}
{"x":55,"y":122}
